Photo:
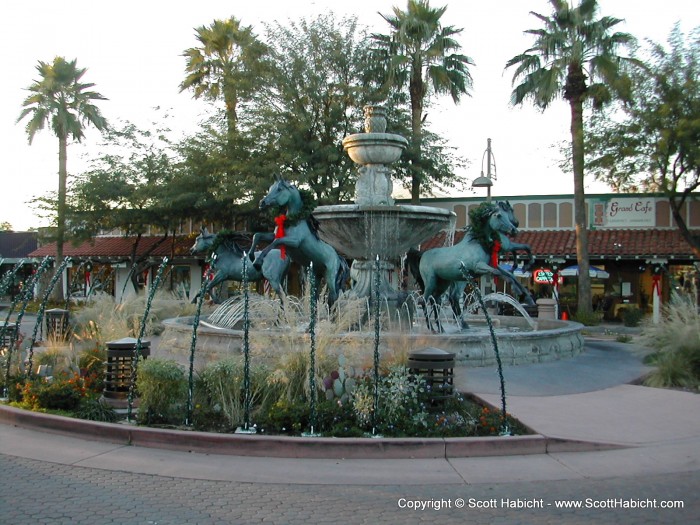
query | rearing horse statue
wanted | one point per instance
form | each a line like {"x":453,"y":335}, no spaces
{"x":229,"y":261}
{"x":300,"y":239}
{"x":455,"y":290}
{"x":507,"y":244}
{"x":441,"y":267}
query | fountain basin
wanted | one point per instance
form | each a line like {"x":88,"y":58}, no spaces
{"x":517,"y":344}
{"x":374,"y":148}
{"x":362,"y":232}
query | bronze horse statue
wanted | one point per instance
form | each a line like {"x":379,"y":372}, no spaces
{"x":229,"y":261}
{"x":297,"y":234}
{"x":441,"y":268}
{"x":508,"y":245}
{"x":455,"y":291}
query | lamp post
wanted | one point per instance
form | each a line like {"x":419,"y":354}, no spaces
{"x":486,"y":181}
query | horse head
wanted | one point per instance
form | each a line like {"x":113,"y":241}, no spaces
{"x":508,"y":210}
{"x":279,"y":194}
{"x":203,"y":241}
{"x":499,"y":221}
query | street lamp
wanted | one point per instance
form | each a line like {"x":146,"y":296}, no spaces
{"x":487,"y":180}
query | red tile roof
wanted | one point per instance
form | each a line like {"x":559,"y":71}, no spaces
{"x":603,"y":243}
{"x":119,"y":247}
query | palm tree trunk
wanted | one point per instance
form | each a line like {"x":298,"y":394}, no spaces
{"x":417,"y":140}
{"x":61,"y":209}
{"x":580,"y":216}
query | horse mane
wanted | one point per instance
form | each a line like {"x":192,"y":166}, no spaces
{"x":229,"y":240}
{"x":479,"y":229}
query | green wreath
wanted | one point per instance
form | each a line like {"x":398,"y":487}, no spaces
{"x":478,"y":226}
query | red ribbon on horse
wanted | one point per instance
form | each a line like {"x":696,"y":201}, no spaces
{"x":279,"y":233}
{"x":495,"y":248}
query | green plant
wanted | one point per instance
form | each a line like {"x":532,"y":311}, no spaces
{"x":676,"y":368}
{"x":340,"y":384}
{"x":588,"y":318}
{"x":223,"y":382}
{"x":401,"y":407}
{"x":632,"y":316}
{"x":162,"y":391}
{"x":623,"y":338}
{"x":59,"y":394}
{"x":93,"y":408}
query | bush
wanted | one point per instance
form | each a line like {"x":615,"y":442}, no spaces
{"x":673,"y":369}
{"x":632,"y":316}
{"x":223,"y":382}
{"x":588,"y":318}
{"x":95,"y":409}
{"x":57,"y":395}
{"x":162,"y":390}
{"x":676,"y":340}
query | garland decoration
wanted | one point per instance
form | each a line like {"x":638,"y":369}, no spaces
{"x":479,"y":231}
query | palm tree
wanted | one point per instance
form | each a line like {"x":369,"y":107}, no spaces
{"x":60,"y":100}
{"x":421,"y":52}
{"x":228,"y":64}
{"x":574,"y":56}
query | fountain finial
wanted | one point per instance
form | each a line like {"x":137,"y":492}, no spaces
{"x":375,"y":118}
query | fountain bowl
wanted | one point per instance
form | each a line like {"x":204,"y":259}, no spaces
{"x":551,"y":340}
{"x":362,"y":232}
{"x":374,"y":148}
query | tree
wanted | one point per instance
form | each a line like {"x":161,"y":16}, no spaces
{"x":312,"y":101}
{"x":228,"y":65}
{"x":654,"y":142}
{"x":62,"y":101}
{"x":421,"y":54}
{"x":6,"y":227}
{"x":574,"y":57}
{"x":135,"y":186}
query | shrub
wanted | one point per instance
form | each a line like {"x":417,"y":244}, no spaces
{"x":223,"y":382}
{"x":401,"y":409}
{"x":676,"y":340}
{"x":94,"y":408}
{"x":588,"y":318}
{"x":59,"y":394}
{"x":632,"y":316}
{"x":162,"y":390}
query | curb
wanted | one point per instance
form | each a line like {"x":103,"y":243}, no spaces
{"x":296,"y":447}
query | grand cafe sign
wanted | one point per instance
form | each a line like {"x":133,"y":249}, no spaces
{"x":629,"y":212}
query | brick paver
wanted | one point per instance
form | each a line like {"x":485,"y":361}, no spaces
{"x":36,"y":492}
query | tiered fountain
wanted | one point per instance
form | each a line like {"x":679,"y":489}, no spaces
{"x":374,"y":226}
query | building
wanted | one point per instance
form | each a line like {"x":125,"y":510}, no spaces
{"x":15,"y":248}
{"x":632,"y":238}
{"x":634,"y":243}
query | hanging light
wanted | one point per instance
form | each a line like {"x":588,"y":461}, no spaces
{"x":486,"y":181}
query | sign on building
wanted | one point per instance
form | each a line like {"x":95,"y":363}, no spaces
{"x":627,"y":212}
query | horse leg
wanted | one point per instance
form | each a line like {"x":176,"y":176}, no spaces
{"x":430,"y":303}
{"x":455,"y":296}
{"x":257,"y":238}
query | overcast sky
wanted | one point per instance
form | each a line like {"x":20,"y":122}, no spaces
{"x":133,"y":53}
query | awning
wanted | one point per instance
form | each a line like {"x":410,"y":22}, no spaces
{"x":595,"y":273}
{"x":518,"y":272}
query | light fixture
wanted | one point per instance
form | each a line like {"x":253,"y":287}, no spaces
{"x":486,"y":181}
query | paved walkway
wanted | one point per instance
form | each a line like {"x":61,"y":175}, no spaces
{"x":54,"y":479}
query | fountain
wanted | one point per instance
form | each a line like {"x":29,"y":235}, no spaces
{"x":376,"y":232}
{"x":374,"y":226}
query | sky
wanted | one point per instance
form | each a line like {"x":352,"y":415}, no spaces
{"x":133,"y":53}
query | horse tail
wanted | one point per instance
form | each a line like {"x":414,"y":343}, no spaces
{"x":413,"y":257}
{"x":341,"y":278}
